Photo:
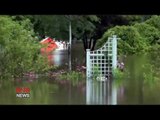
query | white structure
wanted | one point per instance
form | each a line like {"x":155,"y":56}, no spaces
{"x":62,"y":45}
{"x":105,"y":59}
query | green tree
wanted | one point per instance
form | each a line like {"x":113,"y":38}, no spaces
{"x":56,"y":26}
{"x":19,"y":48}
{"x":135,"y":38}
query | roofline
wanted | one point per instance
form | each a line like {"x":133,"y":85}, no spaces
{"x":44,"y":40}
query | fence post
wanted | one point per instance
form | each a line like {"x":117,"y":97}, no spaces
{"x":114,"y":52}
{"x":88,"y":67}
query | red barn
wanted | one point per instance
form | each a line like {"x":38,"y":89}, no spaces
{"x":50,"y":45}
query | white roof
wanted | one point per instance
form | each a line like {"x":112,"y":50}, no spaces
{"x":44,"y":39}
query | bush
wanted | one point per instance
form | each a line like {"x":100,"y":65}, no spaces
{"x":130,"y":39}
{"x":148,"y":32}
{"x":117,"y":74}
{"x":73,"y":77}
{"x":154,"y":21}
{"x":136,"y":38}
{"x":19,"y":49}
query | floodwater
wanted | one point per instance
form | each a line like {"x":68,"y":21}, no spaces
{"x":140,"y":84}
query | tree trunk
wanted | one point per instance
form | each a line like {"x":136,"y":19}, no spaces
{"x":84,"y":44}
{"x":94,"y":43}
{"x":90,"y":43}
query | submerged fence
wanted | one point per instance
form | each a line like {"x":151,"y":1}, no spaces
{"x":101,"y":62}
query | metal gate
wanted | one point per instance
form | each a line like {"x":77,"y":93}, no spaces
{"x":101,"y":62}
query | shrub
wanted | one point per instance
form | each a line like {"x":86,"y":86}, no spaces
{"x":149,"y":33}
{"x":19,"y":49}
{"x":130,"y":39}
{"x":136,"y":38}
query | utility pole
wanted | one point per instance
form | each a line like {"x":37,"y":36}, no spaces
{"x":70,"y":44}
{"x":70,"y":35}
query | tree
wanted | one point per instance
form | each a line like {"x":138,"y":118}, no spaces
{"x":110,"y":21}
{"x":19,"y":48}
{"x":135,"y":38}
{"x":88,"y":28}
{"x":83,"y":28}
{"x":56,"y":26}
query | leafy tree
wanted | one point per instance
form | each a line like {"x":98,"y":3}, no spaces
{"x":57,"y":26}
{"x":109,"y":21}
{"x":148,"y":32}
{"x":88,"y":28}
{"x":135,"y":38}
{"x":19,"y":48}
{"x":130,"y":40}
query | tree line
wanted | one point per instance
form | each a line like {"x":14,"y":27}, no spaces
{"x":88,"y":28}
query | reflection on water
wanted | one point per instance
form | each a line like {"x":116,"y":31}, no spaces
{"x":68,"y":94}
{"x":43,"y":91}
{"x":101,"y":92}
{"x":60,"y":57}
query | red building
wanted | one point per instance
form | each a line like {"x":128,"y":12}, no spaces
{"x":49,"y":45}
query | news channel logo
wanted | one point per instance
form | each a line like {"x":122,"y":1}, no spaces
{"x":22,"y":92}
